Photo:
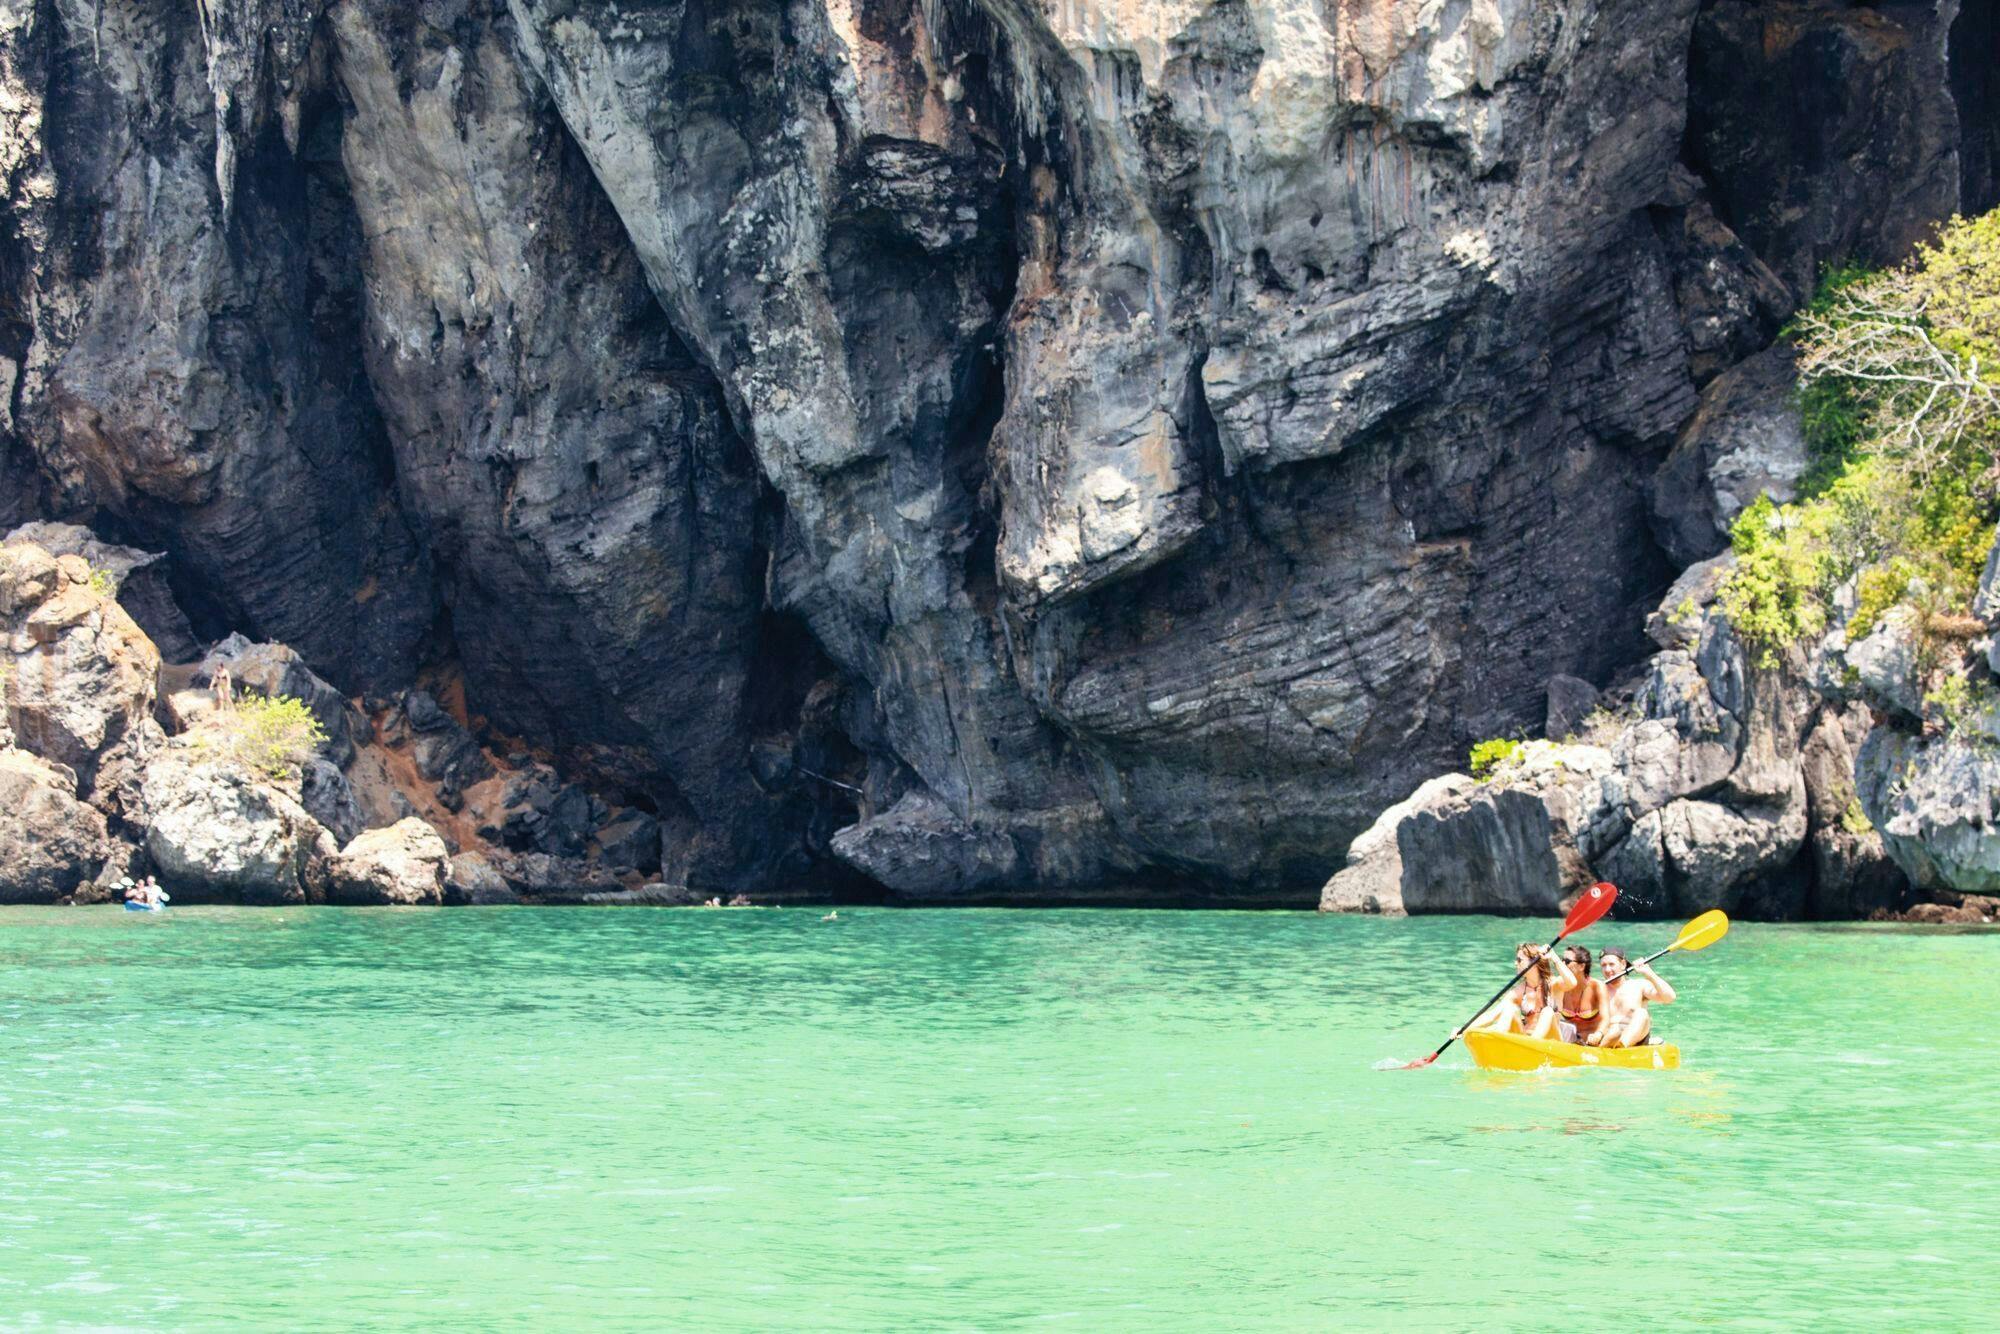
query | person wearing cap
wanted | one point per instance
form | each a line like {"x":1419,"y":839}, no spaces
{"x":1628,"y":991}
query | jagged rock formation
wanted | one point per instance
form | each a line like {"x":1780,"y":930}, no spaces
{"x":1717,"y":782}
{"x":49,"y":841}
{"x":1073,"y":449}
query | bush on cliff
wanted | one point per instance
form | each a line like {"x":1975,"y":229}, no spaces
{"x":1900,"y":399}
{"x":272,"y":735}
{"x":1491,"y":755}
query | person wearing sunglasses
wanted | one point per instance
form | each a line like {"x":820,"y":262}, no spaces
{"x":1581,"y":1008}
{"x":1628,"y":992}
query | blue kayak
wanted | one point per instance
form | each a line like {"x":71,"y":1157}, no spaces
{"x":145,"y":907}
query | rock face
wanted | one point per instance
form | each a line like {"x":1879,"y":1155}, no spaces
{"x":50,"y":843}
{"x":403,"y":864}
{"x":138,"y":579}
{"x":1819,"y":126}
{"x":1934,"y":800}
{"x":1744,"y":441}
{"x":1066,"y":447}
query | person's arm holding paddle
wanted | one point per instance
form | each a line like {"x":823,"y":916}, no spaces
{"x":1659,"y":991}
{"x":1590,"y":905}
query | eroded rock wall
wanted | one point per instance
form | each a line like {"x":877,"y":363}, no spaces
{"x":1083,"y":448}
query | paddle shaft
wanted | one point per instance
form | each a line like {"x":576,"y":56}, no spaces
{"x":1635,"y":967}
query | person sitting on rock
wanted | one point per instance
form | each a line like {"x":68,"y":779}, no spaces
{"x":1529,"y":1008}
{"x":1628,"y":991}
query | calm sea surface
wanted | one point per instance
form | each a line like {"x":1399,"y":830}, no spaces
{"x":534,"y":1119}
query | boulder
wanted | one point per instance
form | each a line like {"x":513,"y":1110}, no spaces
{"x":1681,"y":617}
{"x":50,"y":843}
{"x":1511,"y":845}
{"x":551,"y":879}
{"x":445,"y":752}
{"x":1371,"y":880}
{"x":1745,"y":440}
{"x":920,"y":849}
{"x":216,"y":830}
{"x":1571,"y":701}
{"x":402,"y":864}
{"x":1693,"y":855}
{"x":1700,"y":798}
{"x":1934,"y":799}
{"x":471,"y":879}
{"x":138,"y":579}
{"x":329,"y":798}
{"x":1884,"y":665}
{"x":80,"y":676}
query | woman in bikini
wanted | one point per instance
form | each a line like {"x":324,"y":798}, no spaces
{"x":1581,"y":1008}
{"x":1530,"y":1007}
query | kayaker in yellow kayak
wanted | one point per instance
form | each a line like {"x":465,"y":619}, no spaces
{"x":1529,"y":1008}
{"x":1629,"y":990}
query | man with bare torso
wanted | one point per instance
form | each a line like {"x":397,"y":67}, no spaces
{"x":1628,"y":992}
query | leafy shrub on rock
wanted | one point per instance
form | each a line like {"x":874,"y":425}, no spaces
{"x":274,"y":735}
{"x":1900,"y":395}
{"x":1491,"y":755}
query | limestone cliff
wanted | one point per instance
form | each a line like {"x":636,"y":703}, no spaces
{"x":962,"y":448}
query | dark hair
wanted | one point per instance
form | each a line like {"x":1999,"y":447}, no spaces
{"x":1581,"y":954}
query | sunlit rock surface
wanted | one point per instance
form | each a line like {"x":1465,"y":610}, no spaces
{"x":1151,"y":438}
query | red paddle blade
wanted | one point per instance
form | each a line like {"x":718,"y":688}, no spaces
{"x":1419,"y":1063}
{"x":1592,"y":904}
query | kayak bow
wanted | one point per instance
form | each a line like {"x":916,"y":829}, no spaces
{"x":1512,"y":1051}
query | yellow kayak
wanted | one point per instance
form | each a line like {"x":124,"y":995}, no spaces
{"x":1511,"y":1051}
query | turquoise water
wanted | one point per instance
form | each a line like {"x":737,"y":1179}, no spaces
{"x":532,"y":1119}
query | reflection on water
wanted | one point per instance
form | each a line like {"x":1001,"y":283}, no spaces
{"x":535,"y":1119}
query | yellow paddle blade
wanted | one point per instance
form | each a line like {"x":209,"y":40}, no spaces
{"x":1703,"y":931}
